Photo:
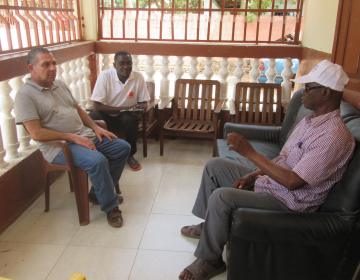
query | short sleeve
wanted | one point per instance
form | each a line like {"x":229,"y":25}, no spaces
{"x":324,"y":158}
{"x":25,"y":108}
{"x":99,"y":92}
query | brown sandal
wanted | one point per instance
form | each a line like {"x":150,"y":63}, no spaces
{"x":196,"y":231}
{"x":211,"y":271}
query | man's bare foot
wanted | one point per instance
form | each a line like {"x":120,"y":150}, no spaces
{"x":133,"y":163}
{"x":201,"y":269}
{"x":193,"y":231}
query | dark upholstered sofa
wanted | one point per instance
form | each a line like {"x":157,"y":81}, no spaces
{"x":290,"y":245}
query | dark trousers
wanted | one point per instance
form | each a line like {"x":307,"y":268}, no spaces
{"x":125,"y":122}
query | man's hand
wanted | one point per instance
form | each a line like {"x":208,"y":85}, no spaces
{"x":245,"y":183}
{"x":83,"y":141}
{"x":239,"y":144}
{"x":100,"y":132}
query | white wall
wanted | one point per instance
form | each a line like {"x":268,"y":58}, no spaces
{"x":89,"y":13}
{"x":319,"y":24}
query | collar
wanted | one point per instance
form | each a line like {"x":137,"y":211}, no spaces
{"x":40,"y":88}
{"x":315,"y":122}
{"x":115,"y":76}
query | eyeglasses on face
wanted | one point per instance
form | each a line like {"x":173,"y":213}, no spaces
{"x":307,"y":89}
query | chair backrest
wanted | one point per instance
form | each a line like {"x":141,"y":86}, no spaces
{"x":199,"y":95}
{"x":151,"y":89}
{"x":257,"y":103}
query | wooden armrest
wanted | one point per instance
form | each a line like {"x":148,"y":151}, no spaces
{"x":165,"y":101}
{"x":232,"y":107}
{"x":219,"y":106}
{"x":152,"y":104}
{"x":55,"y":143}
{"x":101,"y":123}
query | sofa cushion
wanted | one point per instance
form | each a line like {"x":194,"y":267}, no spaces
{"x":344,"y":197}
{"x":269,"y":150}
{"x":348,"y":112}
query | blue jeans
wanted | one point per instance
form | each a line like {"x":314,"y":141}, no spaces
{"x":104,"y":167}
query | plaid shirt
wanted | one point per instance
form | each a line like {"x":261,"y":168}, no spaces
{"x":318,"y":150}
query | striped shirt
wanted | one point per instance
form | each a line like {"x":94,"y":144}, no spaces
{"x":318,"y":150}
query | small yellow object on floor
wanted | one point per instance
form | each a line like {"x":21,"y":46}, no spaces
{"x":77,"y":276}
{"x":3,"y":278}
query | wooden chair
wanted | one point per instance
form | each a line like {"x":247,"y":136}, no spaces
{"x":78,"y":179}
{"x":149,"y":119}
{"x":256,"y":103}
{"x":195,"y":108}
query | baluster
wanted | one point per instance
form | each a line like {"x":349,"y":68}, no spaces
{"x":179,"y":70}
{"x":106,"y":62}
{"x":135,"y":60}
{"x":80,"y":83}
{"x":255,"y":71}
{"x":238,"y":73}
{"x":8,"y":126}
{"x":23,"y":135}
{"x":193,"y":71}
{"x":287,"y":74}
{"x":165,"y":82}
{"x":150,"y":69}
{"x":224,"y":73}
{"x":66,"y":75}
{"x":75,"y":77}
{"x":59,"y":72}
{"x":271,"y":72}
{"x":87,"y":86}
{"x":208,"y":71}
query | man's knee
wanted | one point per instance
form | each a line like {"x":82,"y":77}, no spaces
{"x":120,"y":147}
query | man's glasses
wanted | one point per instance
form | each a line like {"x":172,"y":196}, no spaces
{"x":307,"y":89}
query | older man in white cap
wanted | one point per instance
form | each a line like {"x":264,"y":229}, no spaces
{"x":312,"y":160}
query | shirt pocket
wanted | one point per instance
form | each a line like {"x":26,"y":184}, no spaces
{"x":294,"y":156}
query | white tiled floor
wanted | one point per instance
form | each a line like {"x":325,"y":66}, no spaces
{"x":158,"y":202}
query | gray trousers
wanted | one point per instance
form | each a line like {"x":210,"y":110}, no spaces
{"x":217,"y":198}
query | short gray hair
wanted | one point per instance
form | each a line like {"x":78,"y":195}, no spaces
{"x":32,"y":55}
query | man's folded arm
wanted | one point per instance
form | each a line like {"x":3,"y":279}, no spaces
{"x":99,"y":107}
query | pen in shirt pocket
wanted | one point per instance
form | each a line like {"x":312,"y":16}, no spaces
{"x":299,"y":144}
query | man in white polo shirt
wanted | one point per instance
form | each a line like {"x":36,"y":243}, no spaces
{"x":117,"y":92}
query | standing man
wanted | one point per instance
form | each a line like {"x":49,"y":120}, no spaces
{"x":48,"y":111}
{"x":312,"y":160}
{"x":117,"y":92}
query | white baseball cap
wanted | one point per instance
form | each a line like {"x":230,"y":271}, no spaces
{"x":327,"y":74}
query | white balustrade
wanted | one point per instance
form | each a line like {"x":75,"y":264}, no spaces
{"x":193,"y":71}
{"x":86,"y":81}
{"x":238,"y":73}
{"x":224,"y":73}
{"x":75,"y":77}
{"x":59,"y":72}
{"x":165,"y":82}
{"x":179,"y":70}
{"x":106,"y":62}
{"x":80,"y":82}
{"x":271,"y":72}
{"x":8,"y":127}
{"x":66,"y":75}
{"x":23,"y":136}
{"x":255,"y":71}
{"x":135,"y":60}
{"x":208,"y":71}
{"x":150,"y":69}
{"x":2,"y":152}
{"x":287,"y":74}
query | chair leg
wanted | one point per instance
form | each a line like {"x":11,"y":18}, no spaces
{"x":47,"y":193}
{"x":70,"y":182}
{"x":117,"y":188}
{"x":81,"y":194}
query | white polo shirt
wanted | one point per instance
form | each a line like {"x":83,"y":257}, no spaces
{"x":109,"y":90}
